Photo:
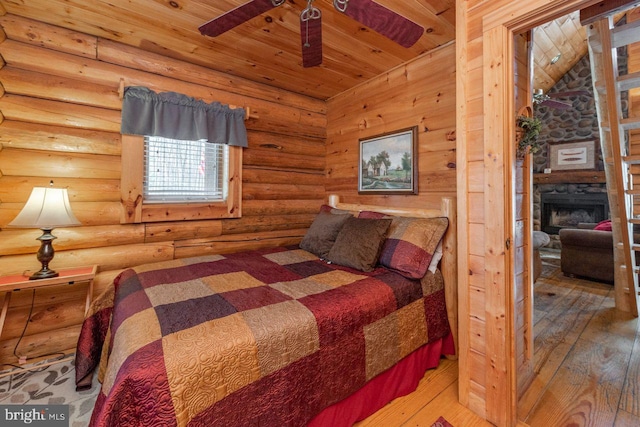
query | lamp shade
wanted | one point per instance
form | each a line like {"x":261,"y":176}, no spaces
{"x":47,"y":208}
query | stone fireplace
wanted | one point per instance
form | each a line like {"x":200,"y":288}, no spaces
{"x":576,"y":202}
{"x":571,"y":197}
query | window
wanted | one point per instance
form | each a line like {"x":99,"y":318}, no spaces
{"x":187,"y":180}
{"x":184,"y":171}
{"x":179,"y":177}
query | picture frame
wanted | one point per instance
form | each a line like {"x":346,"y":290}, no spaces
{"x":389,"y":163}
{"x":572,"y":155}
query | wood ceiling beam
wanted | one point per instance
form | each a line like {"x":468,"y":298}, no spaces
{"x":605,"y":8}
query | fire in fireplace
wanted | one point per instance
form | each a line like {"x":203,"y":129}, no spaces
{"x":567,"y":210}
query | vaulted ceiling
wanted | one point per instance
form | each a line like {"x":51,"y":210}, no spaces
{"x":265,"y":49}
{"x":557,"y":46}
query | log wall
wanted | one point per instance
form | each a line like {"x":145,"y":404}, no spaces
{"x":420,"y":93}
{"x":60,"y":120}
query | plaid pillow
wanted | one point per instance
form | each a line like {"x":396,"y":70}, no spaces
{"x":411,"y":243}
{"x":373,"y":215}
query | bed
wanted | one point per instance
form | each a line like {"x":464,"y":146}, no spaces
{"x":322,"y":334}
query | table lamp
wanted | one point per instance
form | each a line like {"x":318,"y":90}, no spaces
{"x":46,"y":209}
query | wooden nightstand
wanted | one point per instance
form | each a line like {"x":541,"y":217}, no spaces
{"x":69,"y":276}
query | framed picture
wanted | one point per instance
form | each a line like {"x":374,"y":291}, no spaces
{"x":389,"y":164}
{"x":572,"y":155}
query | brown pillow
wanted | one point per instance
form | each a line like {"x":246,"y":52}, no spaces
{"x":323,"y":232}
{"x":359,"y":243}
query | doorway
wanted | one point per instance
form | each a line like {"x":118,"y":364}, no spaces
{"x":486,"y":124}
{"x":616,"y":386}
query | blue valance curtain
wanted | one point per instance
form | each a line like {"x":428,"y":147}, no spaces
{"x":176,"y":116}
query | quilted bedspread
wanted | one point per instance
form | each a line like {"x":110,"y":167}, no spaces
{"x":265,"y":338}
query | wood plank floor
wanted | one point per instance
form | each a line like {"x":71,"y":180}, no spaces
{"x":587,"y":357}
{"x":436,"y":395}
{"x":587,"y":364}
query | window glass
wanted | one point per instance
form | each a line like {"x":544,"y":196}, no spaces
{"x":179,"y":171}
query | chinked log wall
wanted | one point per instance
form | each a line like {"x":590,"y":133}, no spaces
{"x":61,"y":120}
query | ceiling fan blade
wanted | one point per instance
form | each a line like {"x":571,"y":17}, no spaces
{"x":237,"y":16}
{"x":382,"y":20}
{"x":568,"y":93}
{"x":555,"y":104}
{"x":311,"y":38}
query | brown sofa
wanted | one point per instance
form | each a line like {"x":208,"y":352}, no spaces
{"x":587,"y":253}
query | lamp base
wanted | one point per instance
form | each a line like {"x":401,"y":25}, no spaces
{"x":45,"y":255}
{"x":44,"y":274}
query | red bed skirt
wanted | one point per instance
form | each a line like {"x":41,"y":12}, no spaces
{"x":399,"y":380}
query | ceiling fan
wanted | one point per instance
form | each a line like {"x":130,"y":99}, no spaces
{"x":369,"y":13}
{"x":546,"y":99}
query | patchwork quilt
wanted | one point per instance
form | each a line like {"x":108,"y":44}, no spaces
{"x":266,"y":337}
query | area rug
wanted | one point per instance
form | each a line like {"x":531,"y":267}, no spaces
{"x":441,"y":422}
{"x":53,"y":385}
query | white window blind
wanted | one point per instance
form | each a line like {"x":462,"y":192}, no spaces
{"x":184,"y":171}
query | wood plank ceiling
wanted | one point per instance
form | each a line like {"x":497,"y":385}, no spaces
{"x":565,"y":37}
{"x":265,"y":49}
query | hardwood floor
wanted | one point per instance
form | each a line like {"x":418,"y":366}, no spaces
{"x":436,"y":395}
{"x":587,"y":357}
{"x":587,"y":361}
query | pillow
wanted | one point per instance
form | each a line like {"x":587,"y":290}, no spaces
{"x":435,"y":258}
{"x":373,"y":215}
{"x":437,"y":255}
{"x":603,"y":225}
{"x":411,"y":244}
{"x":323,"y":232}
{"x":359,"y":243}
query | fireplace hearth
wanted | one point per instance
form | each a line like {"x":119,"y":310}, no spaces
{"x":567,"y":210}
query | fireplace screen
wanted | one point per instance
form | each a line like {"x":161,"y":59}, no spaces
{"x":568,"y":210}
{"x":571,"y":217}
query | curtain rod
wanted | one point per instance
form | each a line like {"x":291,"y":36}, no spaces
{"x":247,"y":110}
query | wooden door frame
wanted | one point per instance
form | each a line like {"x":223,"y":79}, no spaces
{"x":522,"y":226}
{"x":499,"y":28}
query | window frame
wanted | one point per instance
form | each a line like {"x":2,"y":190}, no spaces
{"x":134,"y":211}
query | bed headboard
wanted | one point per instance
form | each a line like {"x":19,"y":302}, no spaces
{"x":449,"y":262}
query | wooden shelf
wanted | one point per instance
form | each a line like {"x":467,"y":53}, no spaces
{"x":570,"y":177}
{"x":66,"y":276}
{"x":17,"y":282}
